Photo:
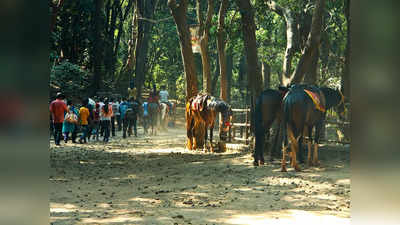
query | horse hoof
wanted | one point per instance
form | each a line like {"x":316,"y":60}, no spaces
{"x":261,"y":162}
{"x":283,"y":170}
{"x":255,"y":163}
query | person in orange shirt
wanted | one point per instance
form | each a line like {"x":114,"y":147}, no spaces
{"x":58,"y":108}
{"x":84,"y":120}
{"x":105,"y":116}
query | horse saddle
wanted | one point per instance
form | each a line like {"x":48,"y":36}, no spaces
{"x":316,"y":98}
{"x":200,"y":102}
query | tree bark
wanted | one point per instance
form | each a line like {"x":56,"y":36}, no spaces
{"x":249,"y":29}
{"x":205,"y":24}
{"x":221,"y":50}
{"x":145,"y":9}
{"x":291,"y":39}
{"x":127,"y":69}
{"x":98,"y":46}
{"x":312,"y":44}
{"x":346,"y":71}
{"x":345,"y":81}
{"x":311,"y":76}
{"x":179,"y":14}
{"x":229,"y":68}
{"x":215,"y":78}
{"x":266,"y":75}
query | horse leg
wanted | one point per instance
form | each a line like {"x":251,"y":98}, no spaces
{"x":284,"y":148}
{"x":318,"y":128}
{"x":189,"y":133}
{"x":309,"y":132}
{"x":205,"y":138}
{"x":211,"y":138}
{"x":294,"y":146}
{"x":273,"y":147}
{"x":259,"y":145}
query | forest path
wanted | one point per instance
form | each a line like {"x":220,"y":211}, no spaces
{"x":155,"y":180}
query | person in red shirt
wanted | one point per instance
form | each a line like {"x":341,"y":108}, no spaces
{"x":58,"y":108}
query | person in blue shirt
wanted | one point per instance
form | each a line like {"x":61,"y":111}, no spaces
{"x":145,"y":116}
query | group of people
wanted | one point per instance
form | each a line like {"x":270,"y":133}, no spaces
{"x":94,"y":118}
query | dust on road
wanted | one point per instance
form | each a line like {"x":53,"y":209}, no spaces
{"x":155,"y":180}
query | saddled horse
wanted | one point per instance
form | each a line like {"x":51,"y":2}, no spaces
{"x":153,"y":116}
{"x":304,"y":107}
{"x":267,"y":110}
{"x":204,"y":109}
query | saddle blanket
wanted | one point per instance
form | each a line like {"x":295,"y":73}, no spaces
{"x":316,"y":99}
{"x":199,"y":102}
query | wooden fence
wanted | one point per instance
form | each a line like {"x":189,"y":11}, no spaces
{"x":240,"y":129}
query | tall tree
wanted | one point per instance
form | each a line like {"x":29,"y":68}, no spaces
{"x":221,"y":49}
{"x":249,"y":35}
{"x":179,"y":14}
{"x":127,"y":70}
{"x":146,"y":10}
{"x":312,"y":44}
{"x":98,"y":45}
{"x":204,"y":32}
{"x":346,"y":71}
{"x":291,"y":38}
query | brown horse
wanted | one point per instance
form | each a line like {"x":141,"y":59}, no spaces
{"x":304,"y":108}
{"x":202,"y":110}
{"x":267,"y":110}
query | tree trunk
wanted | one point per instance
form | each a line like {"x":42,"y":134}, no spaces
{"x":179,"y":14}
{"x":312,"y":44}
{"x":346,"y":71}
{"x":98,"y":46}
{"x":215,"y":78}
{"x":221,"y":50}
{"x":345,"y":82}
{"x":266,"y":75}
{"x":127,"y":69}
{"x":146,"y":10}
{"x":249,"y":29}
{"x":291,"y":39}
{"x":204,"y":30}
{"x":311,"y":76}
{"x":229,"y":68}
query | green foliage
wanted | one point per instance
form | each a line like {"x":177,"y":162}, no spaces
{"x":73,"y":39}
{"x":70,"y":78}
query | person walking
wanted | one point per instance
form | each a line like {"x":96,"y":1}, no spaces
{"x":84,"y":116}
{"x":70,"y":122}
{"x":117,"y":114}
{"x":105,"y":115}
{"x":58,"y":108}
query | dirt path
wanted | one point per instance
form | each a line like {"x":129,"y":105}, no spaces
{"x":156,"y":181}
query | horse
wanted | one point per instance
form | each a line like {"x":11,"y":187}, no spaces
{"x":267,"y":110}
{"x":304,"y":107}
{"x":153,"y":116}
{"x":203,"y":109}
{"x":164,"y":114}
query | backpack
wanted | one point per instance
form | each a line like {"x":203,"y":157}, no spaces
{"x":115,"y":108}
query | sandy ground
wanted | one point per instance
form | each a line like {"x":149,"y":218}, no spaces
{"x":155,"y":180}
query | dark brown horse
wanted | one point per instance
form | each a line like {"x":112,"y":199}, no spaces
{"x":267,"y":110}
{"x":202,"y":111}
{"x":304,"y":108}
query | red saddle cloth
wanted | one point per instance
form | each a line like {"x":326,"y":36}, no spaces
{"x":199,"y":102}
{"x":316,"y":99}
